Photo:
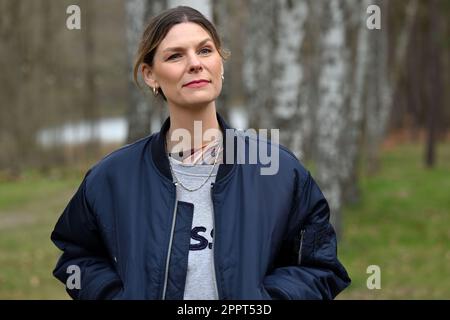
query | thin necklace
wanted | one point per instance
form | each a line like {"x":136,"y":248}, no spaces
{"x":177,"y":181}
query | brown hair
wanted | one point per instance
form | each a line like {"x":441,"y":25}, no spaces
{"x":159,"y":26}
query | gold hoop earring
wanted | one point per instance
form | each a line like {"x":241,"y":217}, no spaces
{"x":155,"y":91}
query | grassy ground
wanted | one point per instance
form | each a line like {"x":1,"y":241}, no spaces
{"x":29,"y":209}
{"x":402,"y":224}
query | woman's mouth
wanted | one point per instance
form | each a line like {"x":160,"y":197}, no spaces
{"x":197,"y":84}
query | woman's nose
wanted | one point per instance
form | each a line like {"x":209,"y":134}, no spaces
{"x":194,"y":64}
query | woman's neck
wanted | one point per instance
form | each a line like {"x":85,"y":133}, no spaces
{"x":194,"y":123}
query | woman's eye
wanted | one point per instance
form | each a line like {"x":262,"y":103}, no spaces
{"x":202,"y":51}
{"x":205,"y":50}
{"x":173,"y":56}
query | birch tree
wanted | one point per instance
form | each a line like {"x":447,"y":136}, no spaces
{"x":290,"y":109}
{"x":280,"y":70}
{"x":351,"y":148}
{"x":143,"y":107}
{"x":304,"y":76}
{"x":259,"y":69}
{"x":331,"y":113}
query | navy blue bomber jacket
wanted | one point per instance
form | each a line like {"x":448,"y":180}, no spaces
{"x":129,"y":236}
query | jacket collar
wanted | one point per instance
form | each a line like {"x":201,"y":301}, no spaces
{"x":161,"y":160}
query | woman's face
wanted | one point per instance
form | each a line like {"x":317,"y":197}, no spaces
{"x":186,"y":54}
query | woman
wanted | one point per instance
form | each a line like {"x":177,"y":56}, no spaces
{"x":171,"y":216}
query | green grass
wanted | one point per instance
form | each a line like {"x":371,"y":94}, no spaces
{"x":29,"y":209}
{"x":402,"y":224}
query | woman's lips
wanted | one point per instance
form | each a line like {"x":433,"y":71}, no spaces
{"x":197,"y":84}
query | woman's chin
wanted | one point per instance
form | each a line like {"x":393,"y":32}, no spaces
{"x":199,"y":100}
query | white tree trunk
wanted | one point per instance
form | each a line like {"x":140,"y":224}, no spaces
{"x":274,"y":70}
{"x":145,"y":112}
{"x":259,"y":68}
{"x":333,"y":86}
{"x":290,"y":107}
{"x":351,"y":149}
{"x":304,"y":75}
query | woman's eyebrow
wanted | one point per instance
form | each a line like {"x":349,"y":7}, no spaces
{"x":181,"y":48}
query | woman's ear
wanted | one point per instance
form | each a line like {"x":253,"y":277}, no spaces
{"x":148,"y":76}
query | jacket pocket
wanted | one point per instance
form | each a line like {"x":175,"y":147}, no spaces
{"x":312,"y":243}
{"x":304,"y":246}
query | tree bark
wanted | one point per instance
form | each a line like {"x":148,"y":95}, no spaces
{"x":91,"y":107}
{"x":435,"y":84}
{"x":333,"y":86}
{"x":145,"y":112}
{"x":259,"y":69}
{"x":385,"y":80}
{"x":274,"y":70}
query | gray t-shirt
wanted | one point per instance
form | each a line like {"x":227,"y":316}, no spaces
{"x":200,"y":274}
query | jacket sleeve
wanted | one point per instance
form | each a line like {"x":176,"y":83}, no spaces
{"x":77,"y":235}
{"x":307,"y":266}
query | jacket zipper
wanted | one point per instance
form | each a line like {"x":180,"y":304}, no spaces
{"x":214,"y":244}
{"x":169,"y":250}
{"x":302,"y":232}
